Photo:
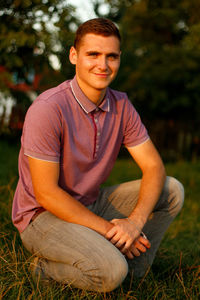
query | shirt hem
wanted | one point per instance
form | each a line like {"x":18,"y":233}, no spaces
{"x":142,"y":142}
{"x":42,"y":157}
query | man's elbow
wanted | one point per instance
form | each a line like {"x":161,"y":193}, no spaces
{"x":157,"y":169}
{"x":44,"y":196}
{"x":160,"y":170}
{"x":163,"y":172}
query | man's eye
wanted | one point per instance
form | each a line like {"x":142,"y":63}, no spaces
{"x":113,"y":57}
{"x":93,"y":55}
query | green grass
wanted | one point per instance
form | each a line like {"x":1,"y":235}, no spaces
{"x":176,"y":270}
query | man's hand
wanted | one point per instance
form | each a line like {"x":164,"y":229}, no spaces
{"x":141,"y":244}
{"x":126,"y":237}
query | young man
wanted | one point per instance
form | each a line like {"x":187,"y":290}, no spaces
{"x":82,"y":234}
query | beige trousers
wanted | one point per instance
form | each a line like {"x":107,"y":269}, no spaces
{"x":76,"y":255}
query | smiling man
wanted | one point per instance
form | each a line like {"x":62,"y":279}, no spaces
{"x":80,"y":233}
{"x":96,"y":68}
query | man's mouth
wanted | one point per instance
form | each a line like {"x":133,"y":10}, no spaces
{"x":103,"y":75}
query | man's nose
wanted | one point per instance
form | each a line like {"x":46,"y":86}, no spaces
{"x":102,"y":63}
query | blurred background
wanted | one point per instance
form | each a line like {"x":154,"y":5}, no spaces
{"x":160,"y":68}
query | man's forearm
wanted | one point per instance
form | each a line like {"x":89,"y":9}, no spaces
{"x":150,"y":190}
{"x":126,"y":232}
{"x":45,"y":177}
{"x":67,"y":208}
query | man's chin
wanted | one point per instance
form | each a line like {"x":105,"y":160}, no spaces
{"x":103,"y":85}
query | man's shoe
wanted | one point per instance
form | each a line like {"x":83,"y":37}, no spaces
{"x":37,"y":272}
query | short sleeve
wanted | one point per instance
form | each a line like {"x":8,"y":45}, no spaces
{"x":42,"y":131}
{"x":135,"y":132}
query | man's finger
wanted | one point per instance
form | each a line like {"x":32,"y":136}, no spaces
{"x":119,"y":244}
{"x":144,"y":241}
{"x":135,"y":251}
{"x":127,"y":246}
{"x":140,"y":246}
{"x":115,"y":239}
{"x":129,"y":254}
{"x":111,"y":233}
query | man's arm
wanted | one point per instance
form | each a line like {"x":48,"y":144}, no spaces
{"x":153,"y":170}
{"x":45,"y":176}
{"x":124,"y":234}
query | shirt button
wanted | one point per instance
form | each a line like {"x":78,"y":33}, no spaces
{"x":98,"y":133}
{"x":96,"y":121}
{"x":97,"y":146}
{"x":97,"y":109}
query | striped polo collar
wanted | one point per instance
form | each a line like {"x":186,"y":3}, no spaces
{"x":87,"y":105}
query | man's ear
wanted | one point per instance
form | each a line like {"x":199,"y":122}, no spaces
{"x":73,"y":55}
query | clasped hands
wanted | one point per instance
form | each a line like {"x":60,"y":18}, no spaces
{"x":126,"y":237}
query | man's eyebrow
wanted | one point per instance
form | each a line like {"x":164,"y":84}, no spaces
{"x":115,"y":54}
{"x":92,"y":52}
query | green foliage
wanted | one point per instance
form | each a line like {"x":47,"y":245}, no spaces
{"x":29,"y":34}
{"x":161,"y":57}
{"x":175,"y":273}
{"x":160,"y":50}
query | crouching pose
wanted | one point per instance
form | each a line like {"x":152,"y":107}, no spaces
{"x":80,"y":233}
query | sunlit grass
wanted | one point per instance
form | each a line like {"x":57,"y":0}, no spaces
{"x":176,"y":270}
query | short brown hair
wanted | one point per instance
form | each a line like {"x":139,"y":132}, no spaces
{"x":99,"y":26}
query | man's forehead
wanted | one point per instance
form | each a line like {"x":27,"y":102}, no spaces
{"x":91,"y":41}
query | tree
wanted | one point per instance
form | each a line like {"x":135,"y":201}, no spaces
{"x":161,"y":57}
{"x":29,"y":31}
{"x":32,"y":32}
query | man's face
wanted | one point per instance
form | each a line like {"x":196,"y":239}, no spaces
{"x":97,"y":62}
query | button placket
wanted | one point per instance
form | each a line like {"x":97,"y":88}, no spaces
{"x":97,"y":132}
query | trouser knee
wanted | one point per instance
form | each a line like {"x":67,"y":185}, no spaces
{"x":176,"y":195}
{"x":114,"y":275}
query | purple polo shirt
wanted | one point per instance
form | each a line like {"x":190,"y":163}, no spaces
{"x":64,"y":126}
